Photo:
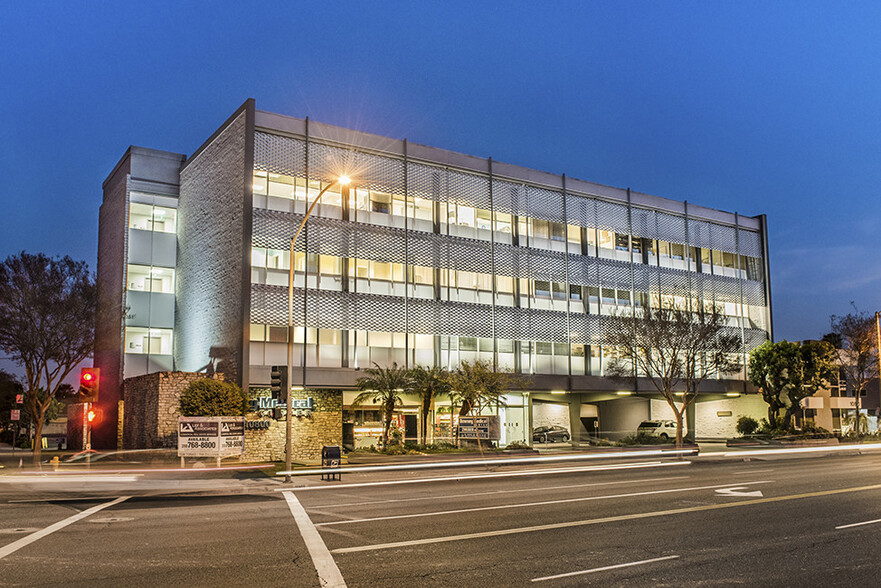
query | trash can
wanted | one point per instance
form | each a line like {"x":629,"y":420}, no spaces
{"x":331,"y":457}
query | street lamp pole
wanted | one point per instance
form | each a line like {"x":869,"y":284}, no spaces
{"x":289,"y":405}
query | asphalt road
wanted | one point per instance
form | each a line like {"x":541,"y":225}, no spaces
{"x":766,"y":522}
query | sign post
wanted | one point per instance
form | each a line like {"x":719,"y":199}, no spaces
{"x":479,"y":427}
{"x":216,"y":437}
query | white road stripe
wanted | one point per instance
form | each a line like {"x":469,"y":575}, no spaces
{"x":530,"y":504}
{"x":603,"y":569}
{"x":502,"y":461}
{"x":858,"y":524}
{"x":493,"y":492}
{"x":24,"y":541}
{"x":604,"y":520}
{"x":328,"y":572}
{"x":623,"y":466}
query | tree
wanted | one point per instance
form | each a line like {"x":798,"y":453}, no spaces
{"x":675,"y":348}
{"x":477,"y":386}
{"x":428,"y":384}
{"x":858,"y":354}
{"x":816,"y":369}
{"x":771,"y":369}
{"x":47,"y":321}
{"x":213,"y":398}
{"x":383,"y":386}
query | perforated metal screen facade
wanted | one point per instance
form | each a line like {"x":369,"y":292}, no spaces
{"x":423,"y":180}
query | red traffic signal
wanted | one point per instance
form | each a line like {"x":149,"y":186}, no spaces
{"x":93,"y":416}
{"x":90,"y":378}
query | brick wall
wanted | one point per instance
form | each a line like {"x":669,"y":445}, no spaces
{"x":214,"y":236}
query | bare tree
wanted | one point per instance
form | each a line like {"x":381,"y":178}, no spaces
{"x":47,"y":325}
{"x":676,"y":349}
{"x":858,"y":354}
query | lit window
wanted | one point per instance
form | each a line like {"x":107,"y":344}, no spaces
{"x":152,"y":218}
{"x":148,"y":341}
{"x":143,"y":278}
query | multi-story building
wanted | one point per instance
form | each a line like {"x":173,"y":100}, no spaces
{"x":428,"y":257}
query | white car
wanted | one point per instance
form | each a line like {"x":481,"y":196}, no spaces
{"x":663,"y":429}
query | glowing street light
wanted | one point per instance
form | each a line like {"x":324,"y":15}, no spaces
{"x":288,"y":449}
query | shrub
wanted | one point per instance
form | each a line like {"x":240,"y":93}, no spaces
{"x":747,"y":425}
{"x":517,"y":445}
{"x":213,"y":398}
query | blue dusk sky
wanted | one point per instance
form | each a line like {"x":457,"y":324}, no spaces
{"x":753,"y":107}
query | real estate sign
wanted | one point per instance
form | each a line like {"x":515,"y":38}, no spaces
{"x":480,"y":427}
{"x":210,"y":436}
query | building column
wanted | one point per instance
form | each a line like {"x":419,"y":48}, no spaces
{"x":575,"y":427}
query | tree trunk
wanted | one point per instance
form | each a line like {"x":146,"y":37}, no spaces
{"x":678,"y":427}
{"x":38,"y":440}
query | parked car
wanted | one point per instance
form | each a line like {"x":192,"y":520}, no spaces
{"x":550,"y":434}
{"x":663,"y":429}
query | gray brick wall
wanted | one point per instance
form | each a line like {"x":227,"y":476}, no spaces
{"x":214,"y":218}
{"x":109,"y":325}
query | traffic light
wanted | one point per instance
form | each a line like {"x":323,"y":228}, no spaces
{"x":90,"y":378}
{"x":278,"y":383}
{"x":94,"y":416}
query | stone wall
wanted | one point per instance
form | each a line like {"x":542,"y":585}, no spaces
{"x":323,"y":426}
{"x":151,"y":408}
{"x":151,"y":413}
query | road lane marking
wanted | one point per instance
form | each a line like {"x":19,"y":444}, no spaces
{"x":605,"y":568}
{"x":614,"y":519}
{"x":496,"y":492}
{"x":858,"y":524}
{"x":502,"y":461}
{"x":328,"y":573}
{"x":66,"y":479}
{"x":528,"y":504}
{"x":787,"y":450}
{"x":737,"y":491}
{"x":633,"y":466}
{"x":24,"y":541}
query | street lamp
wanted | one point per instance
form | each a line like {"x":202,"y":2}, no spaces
{"x":289,"y":405}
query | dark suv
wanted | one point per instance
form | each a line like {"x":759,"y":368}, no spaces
{"x":550,"y":434}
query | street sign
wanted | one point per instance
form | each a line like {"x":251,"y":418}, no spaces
{"x":14,"y":415}
{"x":210,"y":436}
{"x":480,"y":427}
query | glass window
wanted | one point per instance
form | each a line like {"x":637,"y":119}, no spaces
{"x":575,"y":292}
{"x":503,"y":222}
{"x":573,"y":233}
{"x":483,"y":219}
{"x":505,"y":284}
{"x":258,"y":332}
{"x":422,"y":209}
{"x":606,"y":239}
{"x":467,"y":344}
{"x":465,"y":215}
{"x":278,"y":334}
{"x":622,"y":242}
{"x":143,"y":278}
{"x":380,"y":202}
{"x":281,"y":186}
{"x":258,"y":257}
{"x":152,"y":218}
{"x":330,"y":265}
{"x":559,"y":290}
{"x":540,"y":229}
{"x":259,"y":184}
{"x":421,"y":275}
{"x":148,"y":341}
{"x":557,"y":231}
{"x":543,"y":348}
{"x":677,"y":251}
{"x":542,"y":289}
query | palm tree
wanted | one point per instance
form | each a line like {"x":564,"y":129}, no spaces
{"x":383,"y":386}
{"x":429,"y":383}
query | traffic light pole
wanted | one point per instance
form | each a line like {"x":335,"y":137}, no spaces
{"x":88,"y":434}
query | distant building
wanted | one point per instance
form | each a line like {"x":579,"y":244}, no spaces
{"x":430,"y":257}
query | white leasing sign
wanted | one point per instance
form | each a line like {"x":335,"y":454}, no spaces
{"x":210,"y":436}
